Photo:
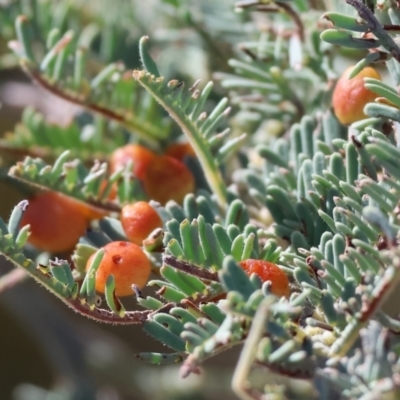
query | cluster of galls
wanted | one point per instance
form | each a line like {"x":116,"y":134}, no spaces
{"x":164,"y":177}
{"x":57,"y":222}
{"x":126,"y":261}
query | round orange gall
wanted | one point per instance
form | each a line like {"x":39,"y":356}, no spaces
{"x":139,"y":220}
{"x":350,"y":95}
{"x":180,"y":150}
{"x":127,"y":263}
{"x":139,"y":155}
{"x":168,"y":179}
{"x":56,"y":222}
{"x":268,"y":271}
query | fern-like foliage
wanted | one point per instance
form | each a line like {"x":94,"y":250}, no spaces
{"x":34,"y":136}
{"x":283,"y":74}
{"x":73,"y":179}
{"x":110,"y":93}
{"x":187,"y":110}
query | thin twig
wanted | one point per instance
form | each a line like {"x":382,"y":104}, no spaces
{"x":295,"y":17}
{"x":107,"y":206}
{"x":162,"y":310}
{"x":190,"y":269}
{"x":82,"y":101}
{"x":390,"y":27}
{"x":377,"y":29}
{"x":106,"y":316}
{"x":268,"y":8}
{"x":78,"y":304}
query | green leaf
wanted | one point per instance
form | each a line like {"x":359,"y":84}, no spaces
{"x":193,"y":128}
{"x":189,"y":285}
{"x":112,"y":300}
{"x":345,"y":39}
{"x":148,"y":63}
{"x":234,"y":278}
{"x":342,"y":21}
{"x":164,"y":335}
{"x":88,"y":287}
{"x":383,"y":111}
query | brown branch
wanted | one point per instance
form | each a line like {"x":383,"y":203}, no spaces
{"x":79,"y":305}
{"x":108,"y":317}
{"x":389,"y":27}
{"x":107,"y":206}
{"x":268,"y":8}
{"x":295,"y":17}
{"x":190,"y":269}
{"x":82,"y":101}
{"x":376,"y":28}
{"x":75,"y":99}
{"x":47,"y":153}
{"x":162,"y":310}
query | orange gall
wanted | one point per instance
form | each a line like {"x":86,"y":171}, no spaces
{"x":56,"y":222}
{"x":180,"y":150}
{"x":139,"y":220}
{"x":268,"y":271}
{"x":140,"y":157}
{"x":350,"y":95}
{"x":127,"y":263}
{"x":168,"y":179}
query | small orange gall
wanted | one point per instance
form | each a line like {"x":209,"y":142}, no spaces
{"x":139,"y":220}
{"x":180,"y":150}
{"x":350,"y":95}
{"x":127,"y":263}
{"x":267,"y":271}
{"x":56,"y":222}
{"x":139,"y":155}
{"x":168,"y":179}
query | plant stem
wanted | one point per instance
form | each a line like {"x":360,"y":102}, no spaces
{"x":203,"y":153}
{"x":190,"y":269}
{"x":144,"y":132}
